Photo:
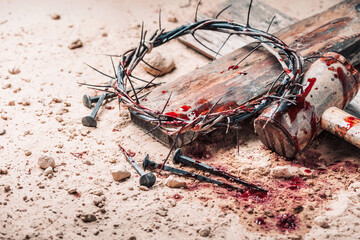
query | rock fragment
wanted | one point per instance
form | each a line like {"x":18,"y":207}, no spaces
{"x":88,"y":218}
{"x":2,"y":132}
{"x":119,"y":173}
{"x":55,"y":16}
{"x":160,"y":62}
{"x":75,"y":44}
{"x":46,"y":161}
{"x":284,"y":171}
{"x":3,"y":170}
{"x":48,"y":171}
{"x":322,"y":222}
{"x":174,"y":182}
{"x":205,"y":232}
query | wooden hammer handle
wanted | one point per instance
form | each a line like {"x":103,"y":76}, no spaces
{"x":342,"y":124}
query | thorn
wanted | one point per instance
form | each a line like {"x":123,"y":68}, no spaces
{"x":193,"y":34}
{"x":253,"y":50}
{"x":228,"y":37}
{"x":248,"y":15}
{"x":100,"y":71}
{"x":217,"y":15}
{"x":270,"y":23}
{"x":160,"y":19}
{"x":196,"y":11}
{"x":150,"y":65}
{"x":172,"y":148}
{"x":166,"y":103}
{"x":112,"y":62}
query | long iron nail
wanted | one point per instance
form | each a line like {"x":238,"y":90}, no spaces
{"x":89,"y":121}
{"x":88,"y":101}
{"x":147,"y":163}
{"x":146,"y":179}
{"x":180,"y":158}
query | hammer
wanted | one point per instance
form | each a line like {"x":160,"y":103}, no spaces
{"x":328,"y":86}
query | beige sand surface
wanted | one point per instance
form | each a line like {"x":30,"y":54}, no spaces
{"x":41,"y":112}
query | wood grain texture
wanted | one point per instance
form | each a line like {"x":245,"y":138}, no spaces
{"x":337,"y":29}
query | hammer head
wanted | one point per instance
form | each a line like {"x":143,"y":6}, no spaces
{"x":177,"y":155}
{"x":329,"y":81}
{"x":148,"y":180}
{"x":89,"y":121}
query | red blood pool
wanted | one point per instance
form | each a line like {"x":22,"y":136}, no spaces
{"x":233,"y":67}
{"x":130,"y":153}
{"x":185,"y":108}
{"x":163,"y":92}
{"x":259,"y":196}
{"x":260,"y":221}
{"x":296,"y":183}
{"x":287,"y":221}
{"x":172,"y":114}
{"x":307,"y":171}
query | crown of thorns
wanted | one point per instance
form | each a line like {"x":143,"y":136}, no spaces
{"x":288,"y":58}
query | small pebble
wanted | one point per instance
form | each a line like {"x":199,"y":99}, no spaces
{"x":322,"y":222}
{"x":46,"y":161}
{"x":119,"y":173}
{"x":205,"y":232}
{"x":76,"y":44}
{"x":174,"y":182}
{"x":161,"y":61}
{"x":28,"y":153}
{"x":55,"y":16}
{"x":7,"y":188}
{"x":3,"y":170}
{"x":88,"y":218}
{"x":143,"y":188}
{"x":2,"y":132}
{"x":284,"y":171}
{"x":48,"y":171}
{"x":6,"y":86}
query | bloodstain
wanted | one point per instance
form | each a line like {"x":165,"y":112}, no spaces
{"x":342,"y":129}
{"x":115,"y":130}
{"x":177,"y":197}
{"x":329,"y":61}
{"x":286,"y":221}
{"x":243,"y":73}
{"x":110,"y":107}
{"x":76,"y":194}
{"x":163,"y":92}
{"x":300,"y":100}
{"x":296,"y":183}
{"x":347,"y":85}
{"x":351,"y":121}
{"x":307,"y":170}
{"x":233,"y":67}
{"x":260,"y":221}
{"x":90,"y":178}
{"x":185,"y":108}
{"x":172,"y":114}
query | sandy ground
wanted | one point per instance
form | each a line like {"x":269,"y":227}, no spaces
{"x":41,"y":111}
